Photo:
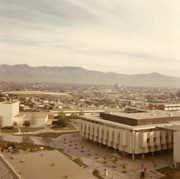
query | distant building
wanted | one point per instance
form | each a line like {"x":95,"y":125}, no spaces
{"x":9,"y":111}
{"x":176,"y":149}
{"x":117,"y":86}
{"x":133,"y":133}
{"x":165,"y":107}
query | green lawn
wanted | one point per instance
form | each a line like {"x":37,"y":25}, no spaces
{"x":69,"y":127}
{"x":24,"y":129}
{"x":14,"y":130}
{"x":49,"y":134}
{"x":46,"y":135}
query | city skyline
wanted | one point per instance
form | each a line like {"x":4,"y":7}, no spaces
{"x":131,"y":37}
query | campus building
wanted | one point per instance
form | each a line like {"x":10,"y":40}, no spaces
{"x":165,"y":107}
{"x":132,"y":133}
{"x":9,"y":112}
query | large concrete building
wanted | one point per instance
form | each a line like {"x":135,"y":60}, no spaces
{"x":9,"y":112}
{"x":133,"y":133}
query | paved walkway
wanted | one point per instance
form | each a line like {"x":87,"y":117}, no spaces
{"x":97,"y":157}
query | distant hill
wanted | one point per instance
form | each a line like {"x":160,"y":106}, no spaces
{"x":78,"y":75}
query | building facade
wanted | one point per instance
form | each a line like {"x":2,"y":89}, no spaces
{"x":129,"y":138}
{"x":165,"y":107}
{"x":9,"y":112}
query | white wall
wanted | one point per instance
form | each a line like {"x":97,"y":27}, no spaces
{"x":132,"y":142}
{"x":8,"y":111}
{"x":177,"y":147}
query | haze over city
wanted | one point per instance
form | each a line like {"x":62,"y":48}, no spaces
{"x":121,"y":36}
{"x":89,"y":89}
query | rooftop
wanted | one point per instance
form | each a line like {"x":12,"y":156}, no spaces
{"x":47,"y":164}
{"x":147,"y":115}
{"x":8,"y":102}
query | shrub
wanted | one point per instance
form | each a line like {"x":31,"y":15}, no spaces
{"x":14,"y":123}
{"x":62,"y":123}
{"x":26,"y":123}
{"x":8,"y":127}
{"x":74,"y":116}
{"x":97,"y":174}
{"x":78,"y":161}
{"x":61,"y":150}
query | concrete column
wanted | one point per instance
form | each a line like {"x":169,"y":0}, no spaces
{"x":143,"y":155}
{"x":175,"y":164}
{"x":133,"y":156}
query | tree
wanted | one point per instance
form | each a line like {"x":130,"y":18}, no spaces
{"x":26,"y":123}
{"x":62,"y":116}
{"x":62,"y":123}
{"x":74,"y":116}
{"x":14,"y":123}
{"x":62,"y":120}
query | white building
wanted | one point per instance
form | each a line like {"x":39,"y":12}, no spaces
{"x":133,"y":133}
{"x":9,"y":112}
{"x":177,"y":148}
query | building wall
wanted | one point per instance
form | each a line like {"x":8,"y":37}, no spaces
{"x":135,"y":122}
{"x":119,"y":119}
{"x":8,"y":111}
{"x":166,"y":107}
{"x":177,"y":147}
{"x":132,"y":142}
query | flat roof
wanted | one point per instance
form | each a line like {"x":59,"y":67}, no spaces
{"x":141,"y":118}
{"x":51,"y":164}
{"x":9,"y":102}
{"x":147,"y":115}
{"x":96,"y":118}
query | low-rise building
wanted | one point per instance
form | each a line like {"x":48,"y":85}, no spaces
{"x":9,"y":111}
{"x":165,"y":107}
{"x":133,"y":133}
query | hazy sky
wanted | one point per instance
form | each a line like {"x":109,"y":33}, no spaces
{"x":124,"y":36}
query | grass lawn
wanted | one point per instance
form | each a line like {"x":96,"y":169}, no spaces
{"x":69,"y":127}
{"x":46,"y":135}
{"x":24,"y":129}
{"x":30,"y":129}
{"x":49,"y":134}
{"x":14,"y":130}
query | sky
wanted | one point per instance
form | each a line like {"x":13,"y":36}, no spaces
{"x":123,"y":36}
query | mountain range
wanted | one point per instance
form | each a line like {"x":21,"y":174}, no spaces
{"x":78,"y":75}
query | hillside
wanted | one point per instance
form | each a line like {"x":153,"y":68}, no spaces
{"x":78,"y":75}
